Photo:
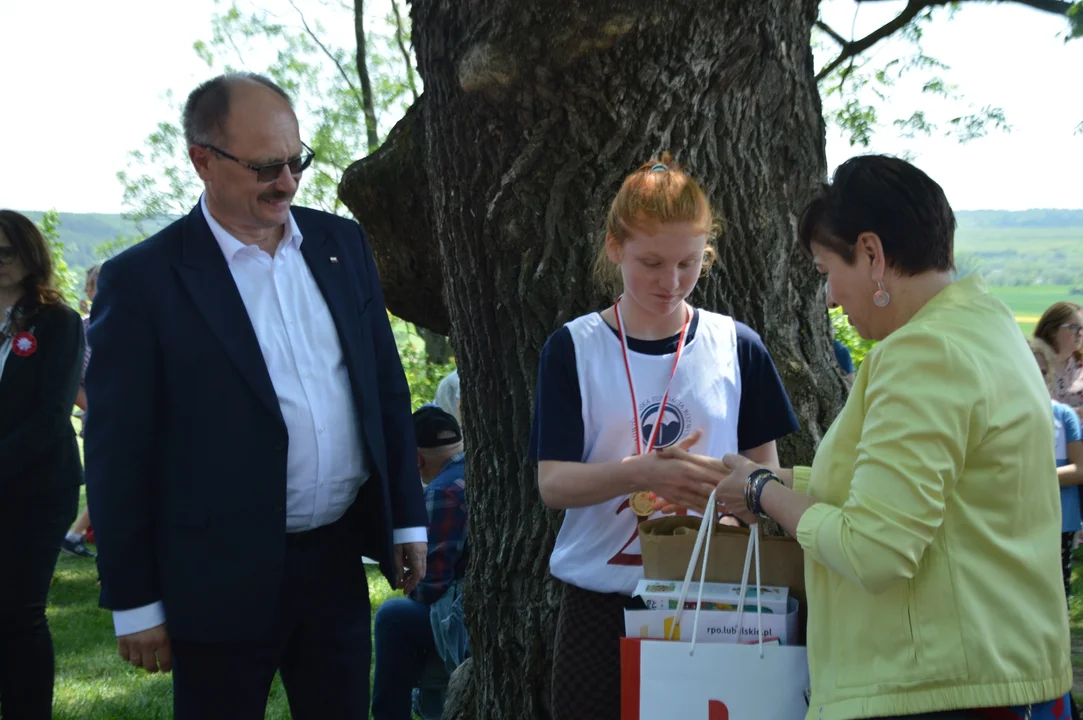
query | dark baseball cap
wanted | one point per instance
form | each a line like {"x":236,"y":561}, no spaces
{"x":435,"y":428}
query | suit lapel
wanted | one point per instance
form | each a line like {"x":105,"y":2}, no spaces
{"x":336,"y":279}
{"x":204,"y":272}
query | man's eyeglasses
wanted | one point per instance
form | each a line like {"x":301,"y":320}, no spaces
{"x":1074,"y":327}
{"x":8,"y":255}
{"x":270,"y":172}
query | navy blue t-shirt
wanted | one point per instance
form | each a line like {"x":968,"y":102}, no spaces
{"x":765,"y":413}
{"x":842,"y":355}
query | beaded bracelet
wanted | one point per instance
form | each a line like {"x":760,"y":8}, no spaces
{"x":757,"y":480}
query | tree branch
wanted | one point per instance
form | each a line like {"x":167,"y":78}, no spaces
{"x":1056,"y":7}
{"x":367,"y":101}
{"x":400,"y":39}
{"x":833,"y":33}
{"x":328,"y":53}
{"x":853,"y":48}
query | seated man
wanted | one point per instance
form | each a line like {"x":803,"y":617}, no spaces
{"x":426,"y":627}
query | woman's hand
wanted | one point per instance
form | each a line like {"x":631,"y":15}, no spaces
{"x":731,"y":491}
{"x":680,"y":480}
{"x":729,"y":475}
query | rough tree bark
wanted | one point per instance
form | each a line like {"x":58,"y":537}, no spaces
{"x":533,"y":113}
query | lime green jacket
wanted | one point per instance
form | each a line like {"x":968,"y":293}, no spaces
{"x":932,"y":560}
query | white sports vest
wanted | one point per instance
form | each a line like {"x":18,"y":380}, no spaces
{"x":598,"y":546}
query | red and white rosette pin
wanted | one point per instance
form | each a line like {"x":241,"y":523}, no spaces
{"x":24,"y":344}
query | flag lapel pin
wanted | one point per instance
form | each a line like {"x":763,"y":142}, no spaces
{"x":334,"y":259}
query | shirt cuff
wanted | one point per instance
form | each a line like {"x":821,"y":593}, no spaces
{"x":401,"y":536}
{"x":801,"y":475}
{"x":126,"y":622}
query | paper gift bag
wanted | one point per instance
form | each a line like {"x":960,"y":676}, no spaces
{"x":667,"y":543}
{"x":717,"y":681}
{"x":661,"y":680}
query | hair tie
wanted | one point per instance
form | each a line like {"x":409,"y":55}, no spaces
{"x":659,"y":167}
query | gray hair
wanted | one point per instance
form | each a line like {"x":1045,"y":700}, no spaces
{"x":447,"y":395}
{"x":207,"y":107}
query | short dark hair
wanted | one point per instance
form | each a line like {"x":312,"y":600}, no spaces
{"x":892,"y":198}
{"x":207,"y":106}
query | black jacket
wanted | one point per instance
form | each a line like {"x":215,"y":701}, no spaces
{"x":186,"y":447}
{"x":38,"y":449}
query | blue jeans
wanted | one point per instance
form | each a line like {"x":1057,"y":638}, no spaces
{"x":404,"y":643}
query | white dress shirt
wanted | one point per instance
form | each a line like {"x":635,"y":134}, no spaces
{"x":326,"y":464}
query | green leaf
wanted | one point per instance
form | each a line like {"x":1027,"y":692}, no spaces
{"x":845,"y":333}
{"x":1075,"y":21}
{"x":64,"y":279}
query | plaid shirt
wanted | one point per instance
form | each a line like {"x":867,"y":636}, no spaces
{"x":445,"y":499}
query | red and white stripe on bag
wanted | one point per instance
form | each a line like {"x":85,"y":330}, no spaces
{"x":629,"y":672}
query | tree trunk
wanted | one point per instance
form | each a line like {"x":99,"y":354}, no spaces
{"x":437,"y":347}
{"x":533,"y":113}
{"x":363,"y":72}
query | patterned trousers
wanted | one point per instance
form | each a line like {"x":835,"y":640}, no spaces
{"x":586,"y":661}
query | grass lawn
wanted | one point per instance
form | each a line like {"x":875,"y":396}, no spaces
{"x":93,"y":683}
{"x":1075,"y":615}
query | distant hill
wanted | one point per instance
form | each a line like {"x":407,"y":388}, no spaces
{"x":1031,"y":247}
{"x":81,"y":233}
{"x":1010,"y":248}
{"x":1007,"y":219}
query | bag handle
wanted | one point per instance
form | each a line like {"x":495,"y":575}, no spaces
{"x":686,"y":584}
{"x":753,"y":548}
{"x":703,"y":543}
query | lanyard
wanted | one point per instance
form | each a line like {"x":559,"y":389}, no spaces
{"x":631,"y":383}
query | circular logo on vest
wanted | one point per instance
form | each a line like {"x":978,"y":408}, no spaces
{"x":673,"y":424}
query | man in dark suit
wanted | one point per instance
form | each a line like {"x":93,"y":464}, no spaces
{"x":250,"y":433}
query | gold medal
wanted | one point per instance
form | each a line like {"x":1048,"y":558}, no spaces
{"x":641,"y":503}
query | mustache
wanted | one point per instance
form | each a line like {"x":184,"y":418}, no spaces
{"x":275,"y":196}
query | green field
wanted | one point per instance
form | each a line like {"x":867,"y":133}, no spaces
{"x":1021,"y":256}
{"x":1020,"y":241}
{"x":1028,"y":302}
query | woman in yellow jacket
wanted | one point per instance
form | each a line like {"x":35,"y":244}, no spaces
{"x":930,"y":517}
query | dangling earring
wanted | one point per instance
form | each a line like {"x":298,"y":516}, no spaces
{"x":881,"y":298}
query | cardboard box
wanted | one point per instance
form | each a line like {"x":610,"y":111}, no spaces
{"x":664,"y":595}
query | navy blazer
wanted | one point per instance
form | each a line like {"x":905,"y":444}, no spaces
{"x":185,"y":444}
{"x":38,"y":450}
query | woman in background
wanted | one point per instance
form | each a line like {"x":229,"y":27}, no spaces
{"x":1068,"y":449}
{"x":41,"y":360}
{"x":74,"y":543}
{"x":1061,"y":327}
